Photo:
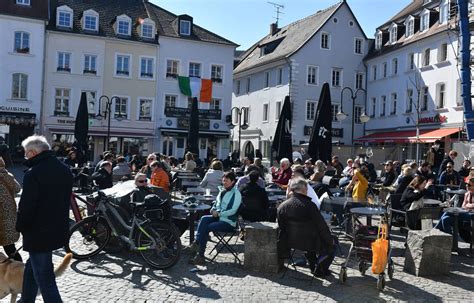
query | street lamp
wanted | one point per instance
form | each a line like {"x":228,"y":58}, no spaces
{"x":107,"y":114}
{"x":244,"y":126}
{"x":340,"y":116}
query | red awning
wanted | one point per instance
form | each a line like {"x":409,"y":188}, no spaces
{"x":408,"y":136}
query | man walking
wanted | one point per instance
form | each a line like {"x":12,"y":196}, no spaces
{"x":43,"y":214}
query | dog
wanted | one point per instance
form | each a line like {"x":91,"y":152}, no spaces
{"x":11,"y":275}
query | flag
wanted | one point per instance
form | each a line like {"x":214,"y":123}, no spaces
{"x":282,"y":142}
{"x":196,"y":87}
{"x":320,"y":142}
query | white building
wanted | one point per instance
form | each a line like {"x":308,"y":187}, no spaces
{"x":22,"y":30}
{"x":296,"y":60}
{"x":413,"y":78}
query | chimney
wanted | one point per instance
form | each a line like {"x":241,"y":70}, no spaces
{"x":273,"y":29}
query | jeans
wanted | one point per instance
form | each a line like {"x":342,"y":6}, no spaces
{"x":206,"y":225}
{"x":39,"y":272}
{"x":447,"y":220}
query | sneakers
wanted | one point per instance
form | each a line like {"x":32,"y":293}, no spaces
{"x":197,"y":260}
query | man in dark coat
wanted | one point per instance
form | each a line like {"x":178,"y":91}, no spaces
{"x":43,"y":217}
{"x":254,"y":199}
{"x":103,"y":177}
{"x":300,"y":209}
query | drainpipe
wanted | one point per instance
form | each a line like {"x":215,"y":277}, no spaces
{"x":43,"y":73}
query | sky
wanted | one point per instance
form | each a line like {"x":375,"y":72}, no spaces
{"x":245,"y":22}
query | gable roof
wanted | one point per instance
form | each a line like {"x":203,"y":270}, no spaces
{"x":288,"y":40}
{"x":36,"y":10}
{"x":136,"y":9}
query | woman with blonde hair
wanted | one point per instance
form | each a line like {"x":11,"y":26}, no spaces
{"x":8,"y":234}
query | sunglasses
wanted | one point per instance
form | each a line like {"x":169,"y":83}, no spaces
{"x":449,"y":167}
{"x":141,"y":181}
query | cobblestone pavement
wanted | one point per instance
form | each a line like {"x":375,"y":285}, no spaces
{"x":124,"y":277}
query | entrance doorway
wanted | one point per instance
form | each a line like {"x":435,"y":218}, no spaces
{"x":249,"y":150}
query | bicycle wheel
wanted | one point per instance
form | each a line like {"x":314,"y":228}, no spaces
{"x":88,"y":237}
{"x":168,"y":244}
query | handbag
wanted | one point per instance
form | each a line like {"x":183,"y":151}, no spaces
{"x":380,"y":250}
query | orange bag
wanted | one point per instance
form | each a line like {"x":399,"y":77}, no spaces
{"x":380,"y":250}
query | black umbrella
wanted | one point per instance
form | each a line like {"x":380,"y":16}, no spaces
{"x":81,"y":130}
{"x":320,"y":142}
{"x":282,"y":142}
{"x":193,"y":132}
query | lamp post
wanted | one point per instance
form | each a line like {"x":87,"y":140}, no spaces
{"x":340,"y":116}
{"x":107,"y":113}
{"x":243,"y":126}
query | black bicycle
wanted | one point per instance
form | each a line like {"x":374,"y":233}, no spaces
{"x":157,"y":241}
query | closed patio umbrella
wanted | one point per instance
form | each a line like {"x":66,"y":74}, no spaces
{"x":193,"y":132}
{"x":81,"y":130}
{"x":320,"y":142}
{"x":282,"y":142}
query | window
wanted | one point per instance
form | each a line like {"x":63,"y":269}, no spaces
{"x":215,"y":104}
{"x":123,"y":65}
{"x":325,"y":40}
{"x":374,"y":72}
{"x":195,"y":70}
{"x":394,"y":66}
{"x":393,"y":35}
{"x":237,"y":87}
{"x":279,"y":76}
{"x":357,"y":114}
{"x":424,"y":100}
{"x":147,"y":31}
{"x":425,"y":22}
{"x":383,"y":107}
{"x":411,"y":61}
{"x":170,"y":101}
{"x":64,"y":19}
{"x":336,"y":77}
{"x":120,"y":108}
{"x":265,"y":112}
{"x":378,"y":41}
{"x":19,"y":86}
{"x":443,"y":52}
{"x":123,"y":27}
{"x":384,"y":70}
{"x":23,"y":2}
{"x":373,"y":103}
{"x":277,"y":110}
{"x":426,"y":57}
{"x":22,"y":42}
{"x":145,"y":109}
{"x":266,"y":80}
{"x":310,"y":109}
{"x":90,"y":22}
{"x":334,"y":111}
{"x":90,"y":64}
{"x":172,"y":70}
{"x":216,"y":73}
{"x":359,"y":80}
{"x":410,"y":28}
{"x":410,"y":101}
{"x":394,"y":104}
{"x":443,"y":12}
{"x":146,"y":68}
{"x":312,"y":75}
{"x":184,"y":27}
{"x":61,"y":103}
{"x":248,"y":85}
{"x":64,"y":60}
{"x":358,"y":46}
{"x":440,"y":95}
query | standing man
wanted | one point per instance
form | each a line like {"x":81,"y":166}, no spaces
{"x":43,"y":217}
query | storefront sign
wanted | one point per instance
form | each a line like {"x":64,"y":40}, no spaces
{"x":16,"y":109}
{"x":438,"y":119}
{"x":335,"y":132}
{"x":184,"y":123}
{"x":63,"y":121}
{"x":181,"y":112}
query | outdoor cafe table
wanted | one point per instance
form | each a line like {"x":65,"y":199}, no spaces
{"x":206,"y":199}
{"x":190,"y":183}
{"x":458,"y":192}
{"x":192,"y":211}
{"x":455,"y":211}
{"x":367,"y":212}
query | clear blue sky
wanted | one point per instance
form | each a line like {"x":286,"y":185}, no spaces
{"x":247,"y":21}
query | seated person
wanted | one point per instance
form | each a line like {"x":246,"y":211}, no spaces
{"x":308,"y":169}
{"x":245,"y":179}
{"x":223,"y":216}
{"x":319,"y":171}
{"x":446,"y":222}
{"x":389,"y":175}
{"x":405,"y":178}
{"x":146,"y":169}
{"x":450,"y":177}
{"x":121,"y":170}
{"x":414,"y":191}
{"x":213,"y":177}
{"x":103,"y":177}
{"x":359,"y":183}
{"x":283,"y":174}
{"x":465,"y":169}
{"x":300,"y":208}
{"x":254,"y":199}
{"x":298,"y":172}
{"x":159,"y":177}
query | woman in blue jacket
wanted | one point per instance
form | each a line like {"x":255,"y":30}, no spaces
{"x":223,"y":216}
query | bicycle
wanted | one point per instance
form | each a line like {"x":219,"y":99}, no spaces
{"x":158,"y":242}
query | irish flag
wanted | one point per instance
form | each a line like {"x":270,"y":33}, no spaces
{"x":196,"y":87}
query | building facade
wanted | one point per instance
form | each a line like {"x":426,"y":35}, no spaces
{"x":296,"y":60}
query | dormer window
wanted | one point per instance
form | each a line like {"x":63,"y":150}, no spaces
{"x":147,"y":29}
{"x":123,"y":25}
{"x":410,"y":26}
{"x":393,"y":34}
{"x":184,"y":27}
{"x":425,"y":20}
{"x":378,"y":40}
{"x":64,"y":17}
{"x":90,"y":21}
{"x":443,"y":12}
{"x":23,"y":2}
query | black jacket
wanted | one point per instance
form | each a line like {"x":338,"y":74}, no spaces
{"x":409,"y":196}
{"x":102,"y":178}
{"x":254,"y":202}
{"x":403,"y":183}
{"x":388,"y":178}
{"x":43,"y":211}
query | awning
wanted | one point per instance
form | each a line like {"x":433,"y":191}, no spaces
{"x":408,"y":136}
{"x":178,"y":132}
